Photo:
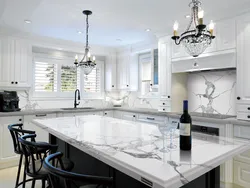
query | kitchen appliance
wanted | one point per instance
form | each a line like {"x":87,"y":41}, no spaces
{"x":9,"y":101}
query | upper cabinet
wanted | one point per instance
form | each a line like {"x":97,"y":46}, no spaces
{"x":225,"y":33}
{"x":110,"y":72}
{"x":127,"y":71}
{"x":243,"y":67}
{"x":15,"y":63}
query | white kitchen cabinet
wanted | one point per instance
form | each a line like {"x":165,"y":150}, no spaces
{"x":8,"y":157}
{"x":165,"y":71}
{"x":110,"y":72}
{"x":15,"y":63}
{"x":117,"y":114}
{"x":127,"y":71}
{"x":242,"y":174}
{"x":243,"y":64}
{"x":147,"y":118}
{"x":41,"y":135}
{"x":129,"y":116}
{"x":225,"y":33}
{"x":108,"y":113}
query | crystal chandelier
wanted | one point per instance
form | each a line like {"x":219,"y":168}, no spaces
{"x":195,"y":40}
{"x":88,"y":62}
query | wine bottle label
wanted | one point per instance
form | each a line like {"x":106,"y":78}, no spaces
{"x":185,"y":129}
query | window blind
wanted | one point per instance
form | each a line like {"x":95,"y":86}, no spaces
{"x":92,"y":82}
{"x":45,"y":77}
{"x":69,"y":78}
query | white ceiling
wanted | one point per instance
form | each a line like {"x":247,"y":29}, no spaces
{"x":111,"y":19}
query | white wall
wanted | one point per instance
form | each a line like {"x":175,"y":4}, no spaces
{"x":212,"y":92}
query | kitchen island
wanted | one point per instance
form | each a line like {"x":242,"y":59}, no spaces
{"x":131,"y":152}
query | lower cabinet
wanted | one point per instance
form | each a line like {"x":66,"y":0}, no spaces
{"x":8,"y":158}
{"x":147,"y":118}
{"x":108,"y":113}
{"x":41,"y":135}
{"x":241,"y":174}
{"x":242,"y":161}
{"x":129,"y":116}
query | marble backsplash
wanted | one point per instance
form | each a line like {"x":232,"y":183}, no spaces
{"x":212,"y":92}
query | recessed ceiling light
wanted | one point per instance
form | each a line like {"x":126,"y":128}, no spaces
{"x":147,"y":30}
{"x":79,"y":32}
{"x":27,"y":21}
{"x":187,"y":16}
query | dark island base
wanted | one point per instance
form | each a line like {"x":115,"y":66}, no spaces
{"x":87,"y":164}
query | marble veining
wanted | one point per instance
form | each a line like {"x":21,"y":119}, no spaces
{"x":136,"y":148}
{"x":218,"y":95}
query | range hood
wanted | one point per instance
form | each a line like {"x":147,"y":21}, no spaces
{"x":214,"y":61}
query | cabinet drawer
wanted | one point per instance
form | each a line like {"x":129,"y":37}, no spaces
{"x":243,"y":115}
{"x":244,"y":157}
{"x":164,"y":109}
{"x":242,"y":132}
{"x":243,"y":108}
{"x":242,"y":174}
{"x":151,"y":119}
{"x":129,"y":116}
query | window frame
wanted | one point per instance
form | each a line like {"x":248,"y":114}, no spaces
{"x":59,"y":95}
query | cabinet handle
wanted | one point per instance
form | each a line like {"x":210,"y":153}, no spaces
{"x":163,"y":109}
{"x":134,"y":116}
{"x":248,"y":117}
{"x":113,"y":86}
{"x":169,"y":97}
{"x":248,"y":108}
{"x":238,"y":98}
{"x":127,"y":85}
{"x":20,"y":119}
{"x":12,"y":82}
{"x":163,"y":103}
{"x":105,"y":113}
{"x":150,"y":118}
{"x":41,"y":115}
{"x":16,"y":82}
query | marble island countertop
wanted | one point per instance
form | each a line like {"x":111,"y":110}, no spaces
{"x":135,"y":148}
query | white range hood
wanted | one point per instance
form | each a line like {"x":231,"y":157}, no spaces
{"x":214,"y":61}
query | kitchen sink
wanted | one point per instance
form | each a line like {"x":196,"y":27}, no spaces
{"x":83,"y":108}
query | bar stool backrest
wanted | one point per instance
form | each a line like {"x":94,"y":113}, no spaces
{"x":16,"y":131}
{"x":70,"y":179}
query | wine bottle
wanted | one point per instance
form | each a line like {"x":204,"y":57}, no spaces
{"x":185,"y":128}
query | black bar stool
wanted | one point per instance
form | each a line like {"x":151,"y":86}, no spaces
{"x":34,"y":158}
{"x":71,"y":179}
{"x":16,"y":131}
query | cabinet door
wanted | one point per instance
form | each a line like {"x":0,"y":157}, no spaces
{"x":226,"y":35}
{"x":22,"y":63}
{"x":6,"y":62}
{"x":108,"y":113}
{"x":41,"y":135}
{"x":122,"y":71}
{"x":7,"y":155}
{"x":129,"y":116}
{"x":165,"y":70}
{"x":133,"y":72}
{"x":243,"y":60}
{"x":242,"y":174}
{"x":110,"y":73}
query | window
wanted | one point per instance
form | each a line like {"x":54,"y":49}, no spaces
{"x":54,"y":77}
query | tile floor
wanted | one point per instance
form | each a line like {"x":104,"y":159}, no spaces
{"x":8,"y":179}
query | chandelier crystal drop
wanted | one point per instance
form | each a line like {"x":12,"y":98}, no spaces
{"x":195,"y":40}
{"x":87,"y":64}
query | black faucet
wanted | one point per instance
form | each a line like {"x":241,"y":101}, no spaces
{"x":77,"y":91}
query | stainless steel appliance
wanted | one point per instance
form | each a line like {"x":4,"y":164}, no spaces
{"x":9,"y":101}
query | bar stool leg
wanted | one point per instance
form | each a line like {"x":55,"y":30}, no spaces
{"x":19,"y":169}
{"x":33,"y":183}
{"x":43,"y":183}
{"x":24,"y":176}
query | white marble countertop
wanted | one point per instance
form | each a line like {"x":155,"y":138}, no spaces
{"x":135,"y":148}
